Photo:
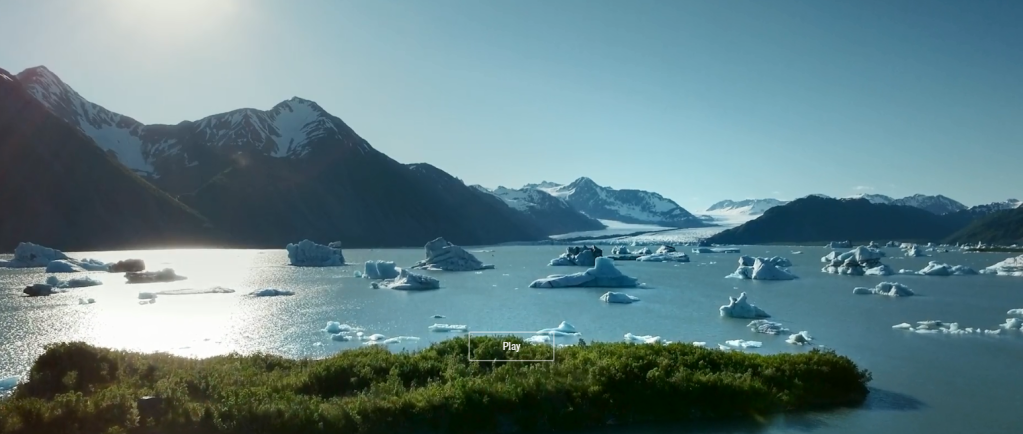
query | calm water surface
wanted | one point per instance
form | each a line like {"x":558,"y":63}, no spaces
{"x":922,"y":383}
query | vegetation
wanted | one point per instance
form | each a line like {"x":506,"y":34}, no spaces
{"x":77,"y":388}
{"x":1002,"y":227}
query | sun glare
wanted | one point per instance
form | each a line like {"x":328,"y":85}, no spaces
{"x":172,"y":20}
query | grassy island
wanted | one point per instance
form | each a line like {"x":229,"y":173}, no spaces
{"x":78,"y":388}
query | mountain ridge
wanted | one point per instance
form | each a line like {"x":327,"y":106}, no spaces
{"x":624,"y":205}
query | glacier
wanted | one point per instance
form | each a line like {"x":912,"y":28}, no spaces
{"x":741,"y":308}
{"x":309,"y":254}
{"x":441,"y":255}
{"x":603,"y":274}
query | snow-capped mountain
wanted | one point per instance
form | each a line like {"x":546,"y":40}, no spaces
{"x":875,"y":198}
{"x":291,"y":129}
{"x":744,"y":207}
{"x":996,"y":206}
{"x":629,"y":206}
{"x":936,"y":204}
{"x":554,"y":215}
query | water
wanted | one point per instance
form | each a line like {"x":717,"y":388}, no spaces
{"x":922,"y":383}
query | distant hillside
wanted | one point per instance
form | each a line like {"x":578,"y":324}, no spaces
{"x":555,"y":216}
{"x":625,"y":205}
{"x":816,"y":219}
{"x":58,"y":188}
{"x":1002,"y":227}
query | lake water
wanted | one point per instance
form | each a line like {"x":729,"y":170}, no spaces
{"x":922,"y":383}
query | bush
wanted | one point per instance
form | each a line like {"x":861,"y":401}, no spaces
{"x":75,"y":388}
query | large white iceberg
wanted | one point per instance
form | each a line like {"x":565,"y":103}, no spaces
{"x":603,"y":274}
{"x":27,"y":255}
{"x":740,"y":308}
{"x":936,"y":269}
{"x":890,"y":289}
{"x":74,"y":282}
{"x":801,"y":338}
{"x":855,"y":262}
{"x":583,"y":257}
{"x":444,"y":256}
{"x":761,"y":271}
{"x":380,"y":270}
{"x":1008,"y":267}
{"x":63,"y":266}
{"x":880,"y":270}
{"x":563,"y":329}
{"x":618,"y":297}
{"x":645,"y":339}
{"x":408,"y":282}
{"x":777,"y":261}
{"x":309,"y":254}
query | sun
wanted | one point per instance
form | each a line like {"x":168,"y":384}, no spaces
{"x":166,"y":18}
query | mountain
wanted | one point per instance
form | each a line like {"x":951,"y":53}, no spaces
{"x":875,"y":198}
{"x":936,"y":204}
{"x":555,"y":216}
{"x":543,"y":185}
{"x":268,"y":177}
{"x":815,"y":219}
{"x":60,"y":189}
{"x":629,"y":206}
{"x":744,"y":207}
{"x":999,"y":227}
{"x":989,"y":208}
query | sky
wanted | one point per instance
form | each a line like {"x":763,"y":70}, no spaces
{"x":697,"y":100}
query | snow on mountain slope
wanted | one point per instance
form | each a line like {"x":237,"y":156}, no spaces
{"x":745,"y":207}
{"x":629,"y":206}
{"x":936,"y":204}
{"x":555,"y":215}
{"x":996,"y":206}
{"x":874,"y":198}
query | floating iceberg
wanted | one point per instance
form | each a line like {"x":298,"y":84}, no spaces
{"x":767,"y":327}
{"x":646,"y":339}
{"x":618,"y":297}
{"x":539,"y":339}
{"x":935,"y":327}
{"x":270,"y":292}
{"x":127,"y":266}
{"x":620,"y":250}
{"x":603,"y":274}
{"x":717,"y":250}
{"x":38,"y":290}
{"x":28,"y":255}
{"x":309,"y":254}
{"x":583,"y":257}
{"x":1012,"y":324}
{"x":739,"y":343}
{"x":459,"y":328}
{"x":90,"y":264}
{"x":886,"y":288}
{"x":197,"y":291}
{"x":643,"y":251}
{"x":444,"y":256}
{"x":1008,"y":267}
{"x":880,"y":270}
{"x":740,"y":308}
{"x":63,"y":266}
{"x":340,"y":337}
{"x":408,"y":282}
{"x":854,"y":262}
{"x":839,"y":245}
{"x":74,"y":282}
{"x":1015,"y":312}
{"x":801,"y":338}
{"x":9,"y":383}
{"x":797,"y":252}
{"x":777,"y":261}
{"x":761,"y":271}
{"x":664,"y":257}
{"x":915,"y":252}
{"x":936,"y":269}
{"x":380,"y":270}
{"x":165,"y":275}
{"x":147,"y":295}
{"x":86,"y":301}
{"x":390,"y":341}
{"x":334,"y":327}
{"x":563,"y":329}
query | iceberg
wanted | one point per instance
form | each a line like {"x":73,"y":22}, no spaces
{"x":390,"y":341}
{"x":90,"y":264}
{"x":28,"y":255}
{"x":63,"y":266}
{"x":915,"y":252}
{"x":936,"y":269}
{"x":444,"y":256}
{"x":38,"y":290}
{"x":880,"y":270}
{"x":618,"y":297}
{"x":1008,"y":267}
{"x":717,"y":250}
{"x":740,"y":308}
{"x":739,"y":343}
{"x":309,"y":254}
{"x":664,"y":257}
{"x":147,"y":295}
{"x":458,"y":328}
{"x":334,"y":327}
{"x":340,"y":337}
{"x":936,"y":327}
{"x":1012,"y":324}
{"x":767,"y":327}
{"x":839,"y":245}
{"x":603,"y":274}
{"x":86,"y":301}
{"x":1015,"y":312}
{"x":575,"y":256}
{"x":777,"y":261}
{"x":74,"y":282}
{"x":620,"y":250}
{"x":127,"y":266}
{"x":665,"y":249}
{"x":165,"y":275}
{"x":270,"y":292}
{"x":563,"y":329}
{"x":539,"y":339}
{"x":801,"y":338}
{"x":647,"y":339}
{"x":408,"y":282}
{"x":761,"y":271}
{"x":380,"y":270}
{"x":9,"y":383}
{"x":890,"y":289}
{"x":643,"y":251}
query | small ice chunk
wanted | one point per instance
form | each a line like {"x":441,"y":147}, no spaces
{"x":761,"y":270}
{"x":90,"y":264}
{"x":372,"y":337}
{"x":1012,"y":324}
{"x":63,"y":266}
{"x":86,"y":301}
{"x":699,"y":344}
{"x":903,"y":326}
{"x":458,"y":328}
{"x":406,"y":281}
{"x":739,"y":343}
{"x":334,"y":327}
{"x":618,"y":297}
{"x":880,"y":270}
{"x":644,"y":339}
{"x":767,"y":327}
{"x":147,"y":295}
{"x":309,"y":254}
{"x":563,"y":329}
{"x":740,"y":308}
{"x":341,"y":337}
{"x":271,"y":292}
{"x":380,"y":270}
{"x":915,"y":252}
{"x":801,"y":338}
{"x":890,"y":289}
{"x":390,"y":341}
{"x":165,"y":275}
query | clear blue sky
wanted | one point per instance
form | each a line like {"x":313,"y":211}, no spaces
{"x":699,"y":100}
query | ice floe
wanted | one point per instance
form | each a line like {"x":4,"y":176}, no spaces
{"x":9,"y":383}
{"x":165,"y":275}
{"x":739,"y":343}
{"x":563,"y":329}
{"x":63,"y":266}
{"x":603,"y":274}
{"x":741,"y":308}
{"x":380,"y":270}
{"x":936,"y":327}
{"x":761,"y":271}
{"x":444,"y":256}
{"x":839,"y":245}
{"x":664,"y":257}
{"x":618,"y":297}
{"x":1012,"y":324}
{"x":306,"y":253}
{"x":29,"y":255}
{"x":936,"y":269}
{"x":890,"y":289}
{"x":715,"y":250}
{"x":767,"y":327}
{"x":407,"y":281}
{"x":74,"y":282}
{"x":880,"y":270}
{"x":1009,"y":267}
{"x":801,"y":338}
{"x":457,"y":328}
{"x":378,"y":339}
{"x":777,"y":261}
{"x":271,"y":292}
{"x":335,"y":327}
{"x":1015,"y":312}
{"x":197,"y":291}
{"x":575,"y":256}
{"x":86,"y":301}
{"x":38,"y":290}
{"x":642,"y":339}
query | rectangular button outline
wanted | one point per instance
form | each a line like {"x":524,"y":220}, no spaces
{"x":554,"y":348}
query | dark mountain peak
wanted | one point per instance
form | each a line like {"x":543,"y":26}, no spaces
{"x":583,"y":182}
